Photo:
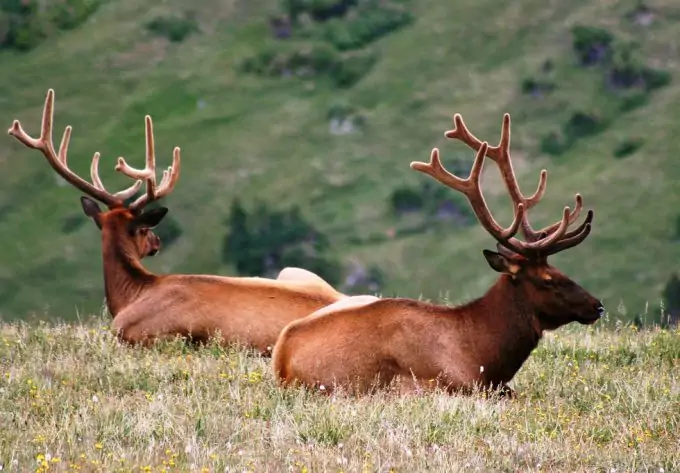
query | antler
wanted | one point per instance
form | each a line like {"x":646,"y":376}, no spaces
{"x":58,"y":161}
{"x":547,"y":241}
{"x":148,"y":174}
{"x":472,"y":189}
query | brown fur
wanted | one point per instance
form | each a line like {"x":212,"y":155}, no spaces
{"x":403,"y":339}
{"x":418,"y":345}
{"x":147,"y":307}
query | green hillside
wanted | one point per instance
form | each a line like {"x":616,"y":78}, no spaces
{"x":267,"y":138}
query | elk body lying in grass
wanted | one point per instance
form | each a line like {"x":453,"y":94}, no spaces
{"x":147,"y":306}
{"x":361,"y":344}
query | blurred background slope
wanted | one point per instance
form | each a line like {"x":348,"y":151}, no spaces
{"x":309,"y":112}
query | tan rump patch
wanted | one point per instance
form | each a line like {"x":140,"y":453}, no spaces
{"x":349,"y":302}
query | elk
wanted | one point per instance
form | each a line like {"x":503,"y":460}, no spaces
{"x":362,"y":344}
{"x":146,"y":307}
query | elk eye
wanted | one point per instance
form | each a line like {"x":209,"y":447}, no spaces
{"x":546,"y":277}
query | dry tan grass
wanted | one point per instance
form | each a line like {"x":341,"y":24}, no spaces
{"x":73,"y":399}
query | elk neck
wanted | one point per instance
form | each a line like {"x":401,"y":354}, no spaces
{"x":125,"y":278}
{"x":502,"y":327}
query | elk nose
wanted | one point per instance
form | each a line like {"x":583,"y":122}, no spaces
{"x":599,"y":308}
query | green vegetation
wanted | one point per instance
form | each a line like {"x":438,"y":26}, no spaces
{"x":588,"y":400}
{"x":287,"y":142}
{"x":592,"y":44}
{"x":265,"y":242}
{"x":368,"y":22}
{"x":627,"y":147}
{"x":310,"y":60}
{"x":175,"y":28}
{"x":319,"y":46}
{"x":624,"y":71}
{"x":26,"y":23}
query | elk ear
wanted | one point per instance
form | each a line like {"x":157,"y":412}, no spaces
{"x":150,"y":219}
{"x":500,"y":263}
{"x":91,"y":209}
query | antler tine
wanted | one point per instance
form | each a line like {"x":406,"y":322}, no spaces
{"x":580,"y":228}
{"x":501,"y":155}
{"x":170,"y":175}
{"x":94,"y":172}
{"x":58,"y":161}
{"x":534,"y":235}
{"x":63,"y":146}
{"x":573,"y":238}
{"x":148,"y":174}
{"x":121,"y":195}
{"x":536,"y":240}
{"x":471,"y":188}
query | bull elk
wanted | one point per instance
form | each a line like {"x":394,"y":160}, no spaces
{"x":146,"y":306}
{"x":364,"y":344}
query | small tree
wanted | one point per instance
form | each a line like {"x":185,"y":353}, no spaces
{"x":266,"y":241}
{"x":591,"y":44}
{"x":236,"y":242}
{"x":671,"y":298}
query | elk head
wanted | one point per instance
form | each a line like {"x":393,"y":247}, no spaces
{"x":554,"y":298}
{"x":128,"y":224}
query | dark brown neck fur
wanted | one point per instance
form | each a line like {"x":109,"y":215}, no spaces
{"x":502,"y":328}
{"x":124,"y":276}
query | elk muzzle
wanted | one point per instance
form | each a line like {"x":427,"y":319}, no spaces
{"x":154,"y":245}
{"x":592,"y":316}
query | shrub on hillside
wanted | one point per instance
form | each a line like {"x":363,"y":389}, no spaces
{"x":69,"y":14}
{"x":288,"y":59}
{"x":536,"y":87}
{"x":319,"y":10}
{"x":582,"y":124}
{"x":433,"y":201}
{"x":628,"y":147}
{"x":671,"y":299}
{"x":350,"y":69}
{"x":633,"y":101}
{"x":263,"y":242}
{"x":175,"y":28}
{"x":22,"y":25}
{"x":591,"y":44}
{"x":310,"y":60}
{"x":627,"y":70}
{"x":406,"y":199}
{"x":554,"y":143}
{"x":371,"y":21}
{"x":26,"y":23}
{"x":655,"y":78}
{"x":579,"y":125}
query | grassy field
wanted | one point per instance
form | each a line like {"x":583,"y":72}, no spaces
{"x":268,"y":139}
{"x":73,"y":399}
